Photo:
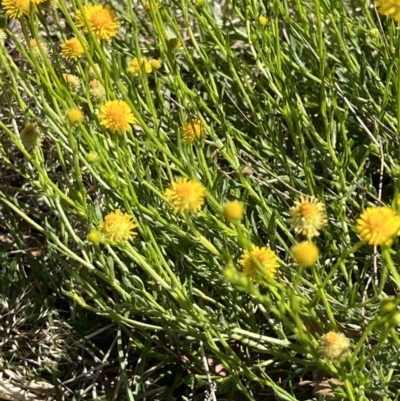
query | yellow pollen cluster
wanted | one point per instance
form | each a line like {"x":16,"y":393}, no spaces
{"x":233,"y":211}
{"x":75,"y":116}
{"x":305,"y":253}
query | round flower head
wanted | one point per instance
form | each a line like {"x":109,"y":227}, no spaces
{"x":16,"y":8}
{"x":3,"y":37}
{"x":334,"y":346}
{"x":96,"y":91}
{"x":262,"y":20}
{"x":72,"y":49}
{"x":37,"y":1}
{"x":72,"y":81}
{"x":92,"y":157}
{"x":389,"y":7}
{"x":102,"y":21}
{"x":30,"y":137}
{"x":136,"y":65}
{"x":305,"y":253}
{"x":94,"y":237}
{"x":116,"y":116}
{"x":75,"y":116}
{"x":193,"y":130}
{"x":308,"y":216}
{"x":259,"y":263}
{"x":186,"y":195}
{"x":233,"y":211}
{"x":156,"y":64}
{"x":37,"y":52}
{"x":378,"y":225}
{"x":118,"y":226}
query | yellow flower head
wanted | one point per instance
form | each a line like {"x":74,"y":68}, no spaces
{"x":186,"y":195}
{"x":334,"y":346}
{"x":94,"y":237}
{"x":102,"y":21}
{"x":72,"y":49}
{"x":259,"y":263}
{"x":193,"y":130}
{"x":75,"y":116}
{"x":262,"y":20}
{"x":308,"y":216}
{"x":36,"y":49}
{"x":92,"y":157}
{"x":118,"y":226}
{"x":136,"y":65}
{"x":233,"y":211}
{"x":156,"y":64}
{"x":37,"y":1}
{"x":16,"y":8}
{"x":116,"y":116}
{"x":96,"y":91}
{"x":305,"y":253}
{"x":30,"y":137}
{"x":378,"y":225}
{"x":72,"y":81}
{"x":389,"y":7}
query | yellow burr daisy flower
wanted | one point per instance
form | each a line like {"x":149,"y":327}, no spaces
{"x":156,"y":64}
{"x":75,"y":116}
{"x":334,"y":346}
{"x":135,"y":66}
{"x":72,"y":49}
{"x":389,"y":7}
{"x":378,"y":225}
{"x":259,"y":263}
{"x":102,"y":21}
{"x":233,"y":211}
{"x":118,"y":226}
{"x":262,"y":20}
{"x":186,"y":195}
{"x":307,"y":216}
{"x":193,"y":130}
{"x":116,"y":116}
{"x":16,"y":8}
{"x":305,"y":253}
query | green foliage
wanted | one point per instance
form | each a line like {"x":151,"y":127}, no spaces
{"x":305,"y":102}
